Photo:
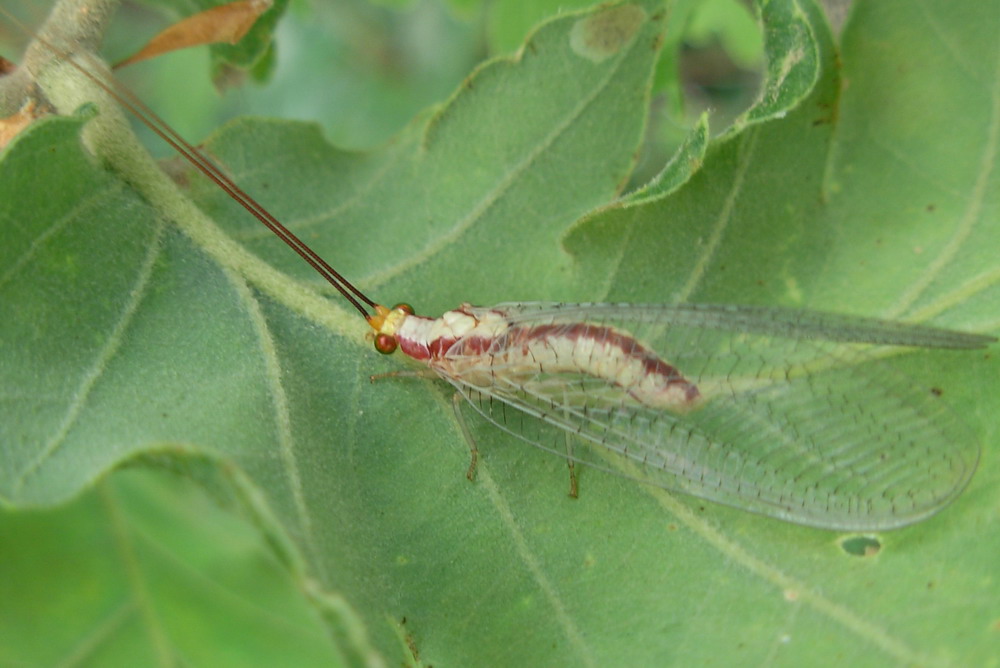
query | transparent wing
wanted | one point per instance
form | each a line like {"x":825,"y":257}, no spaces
{"x":803,"y":415}
{"x":761,"y":320}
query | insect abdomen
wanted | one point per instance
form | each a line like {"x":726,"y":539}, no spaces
{"x":541,"y":354}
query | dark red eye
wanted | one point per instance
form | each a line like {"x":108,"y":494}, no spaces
{"x":385,"y":344}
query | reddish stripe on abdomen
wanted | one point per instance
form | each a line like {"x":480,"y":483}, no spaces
{"x":651,"y":362}
{"x":523,"y":351}
{"x":635,"y":368}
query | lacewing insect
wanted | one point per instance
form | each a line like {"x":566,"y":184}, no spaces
{"x":788,"y":413}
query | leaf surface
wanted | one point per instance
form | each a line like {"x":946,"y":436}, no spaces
{"x":866,"y":198}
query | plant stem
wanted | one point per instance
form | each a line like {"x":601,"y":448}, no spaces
{"x":73,"y":26}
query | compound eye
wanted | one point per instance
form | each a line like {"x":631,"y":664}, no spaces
{"x":385,"y":344}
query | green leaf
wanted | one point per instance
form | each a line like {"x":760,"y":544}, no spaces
{"x":508,"y":21}
{"x":252,"y":53}
{"x":137,"y":328}
{"x":731,"y":24}
{"x":361,"y":71}
{"x":125,"y":575}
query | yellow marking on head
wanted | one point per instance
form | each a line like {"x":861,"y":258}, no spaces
{"x":386,"y":320}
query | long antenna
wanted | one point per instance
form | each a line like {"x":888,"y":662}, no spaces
{"x":199,"y":160}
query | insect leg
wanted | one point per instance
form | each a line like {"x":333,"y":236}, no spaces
{"x":456,"y":403}
{"x":574,"y":487}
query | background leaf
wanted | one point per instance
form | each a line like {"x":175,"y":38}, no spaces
{"x":158,"y":343}
{"x":132,"y":577}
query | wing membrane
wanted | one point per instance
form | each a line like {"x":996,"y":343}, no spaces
{"x":801,"y":418}
{"x":763,"y":320}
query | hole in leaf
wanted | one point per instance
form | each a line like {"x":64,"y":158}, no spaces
{"x":861,"y":546}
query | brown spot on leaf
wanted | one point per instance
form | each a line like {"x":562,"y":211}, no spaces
{"x":6,"y":66}
{"x":12,"y":126}
{"x":600,"y":36}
